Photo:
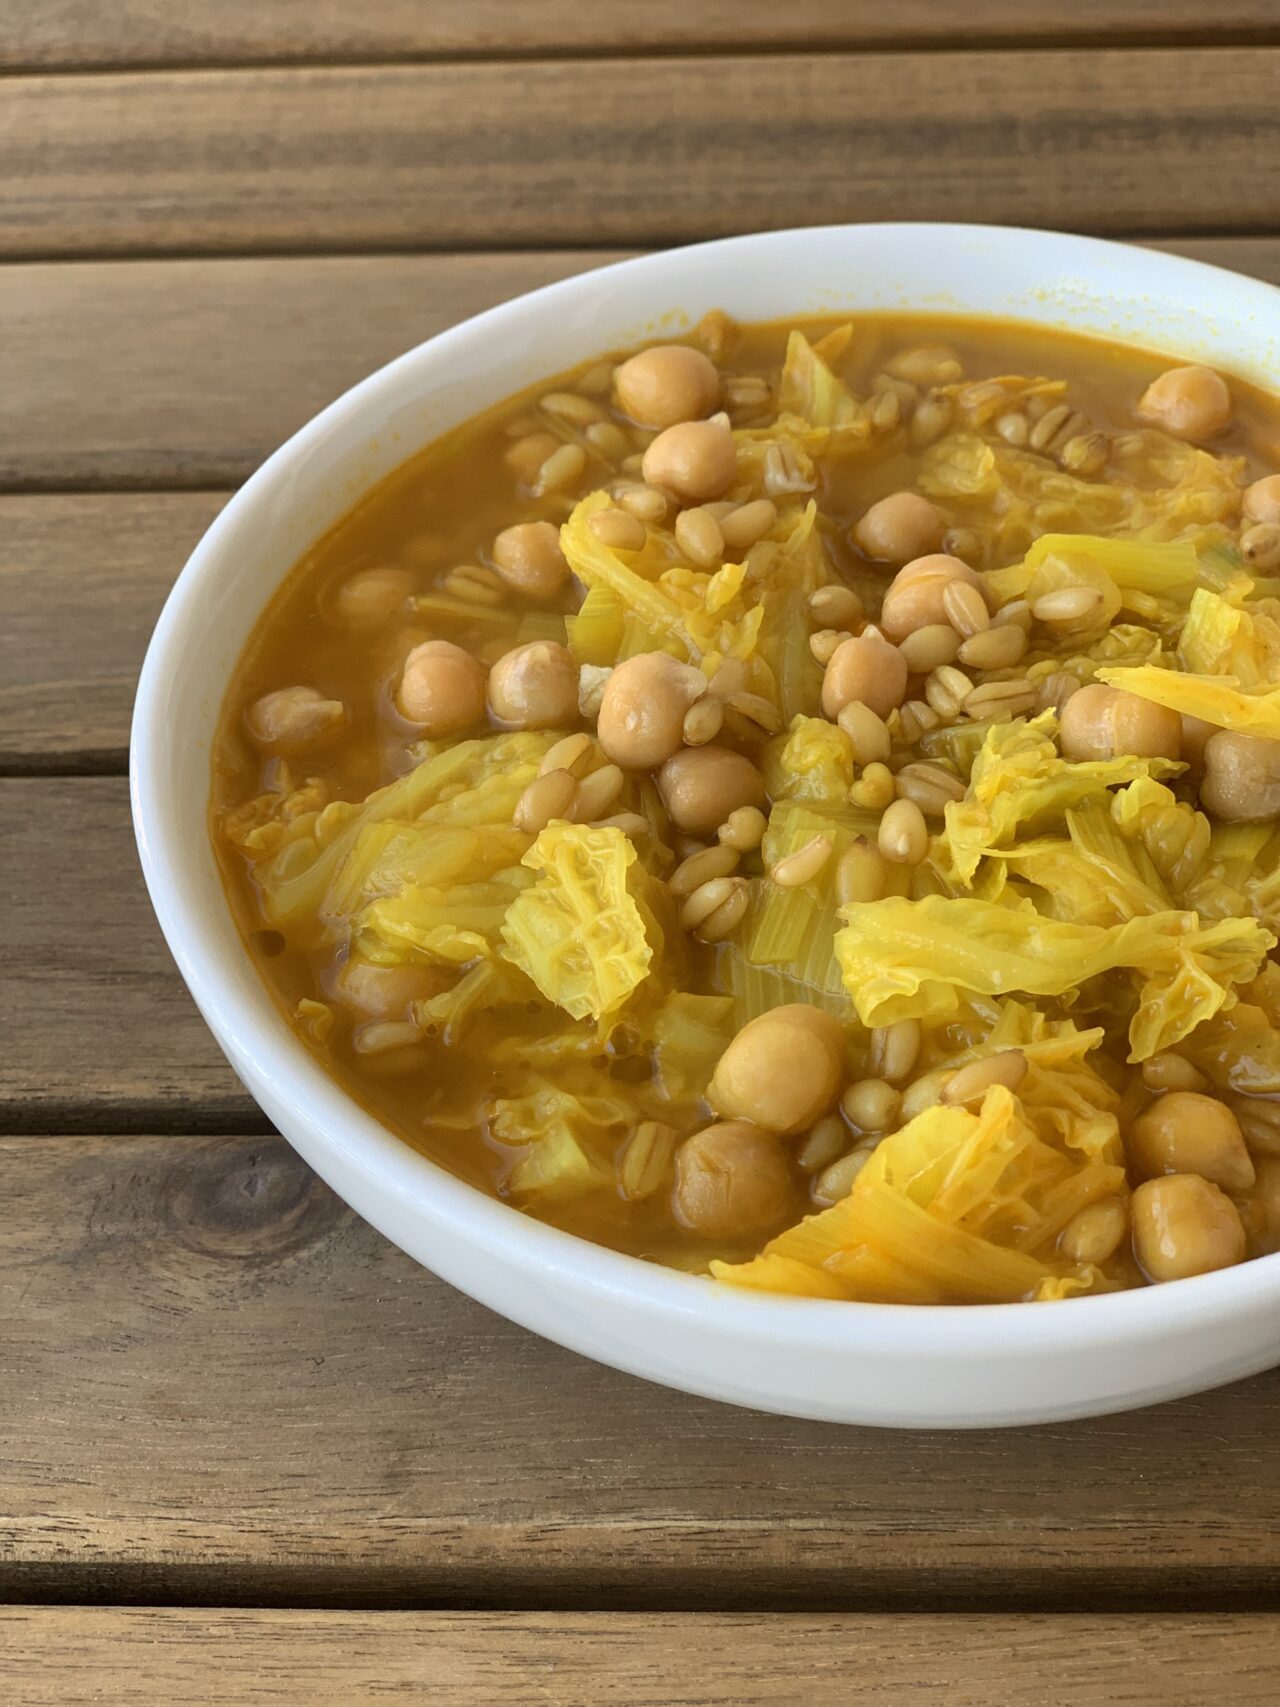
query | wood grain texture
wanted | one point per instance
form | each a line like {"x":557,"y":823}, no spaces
{"x":66,"y":34}
{"x":142,"y":1655}
{"x":97,"y":1025}
{"x":222,"y":1387}
{"x":200,"y":368}
{"x":636,"y":151}
{"x":82,"y":579}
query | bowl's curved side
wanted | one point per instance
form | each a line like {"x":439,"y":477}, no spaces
{"x":864,"y":1363}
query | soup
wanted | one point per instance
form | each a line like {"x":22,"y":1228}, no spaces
{"x":801,"y":805}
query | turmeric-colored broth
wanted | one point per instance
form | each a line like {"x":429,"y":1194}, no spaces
{"x":437,"y":1081}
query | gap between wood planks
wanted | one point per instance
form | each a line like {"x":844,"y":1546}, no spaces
{"x":373,"y":160}
{"x":77,"y":35}
{"x":81,"y":35}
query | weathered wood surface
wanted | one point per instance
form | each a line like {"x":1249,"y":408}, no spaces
{"x":66,"y":34}
{"x":82,"y":580}
{"x":150,"y":1655}
{"x":203,"y":367}
{"x":221,"y":1386}
{"x":99,"y":1032}
{"x":634,"y":151}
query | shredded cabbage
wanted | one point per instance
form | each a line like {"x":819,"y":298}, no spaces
{"x":1221,"y":700}
{"x":1167,"y":490}
{"x":931,"y":1215}
{"x":1020,"y":783}
{"x":812,"y":761}
{"x":558,"y":1137}
{"x":690,"y":1033}
{"x":907,"y":960}
{"x":470,"y":783}
{"x":582,"y":932}
{"x":810,"y":389}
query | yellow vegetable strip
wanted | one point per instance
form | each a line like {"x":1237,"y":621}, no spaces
{"x":1215,"y":699}
{"x":908,"y":959}
{"x":913,"y":1228}
{"x":578,"y":932}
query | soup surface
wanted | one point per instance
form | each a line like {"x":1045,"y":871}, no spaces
{"x":801,"y":805}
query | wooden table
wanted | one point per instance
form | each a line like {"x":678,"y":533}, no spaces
{"x":248,"y":1451}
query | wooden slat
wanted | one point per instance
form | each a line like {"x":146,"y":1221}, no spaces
{"x":65,"y":34}
{"x":221,"y":1387}
{"x":202,"y":367}
{"x":64,"y":1655}
{"x":97,"y":1026}
{"x":634,"y":151}
{"x":82,"y":579}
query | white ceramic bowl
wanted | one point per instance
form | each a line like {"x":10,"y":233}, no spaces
{"x":865,"y":1363}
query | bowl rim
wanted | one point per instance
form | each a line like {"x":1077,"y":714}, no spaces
{"x":255,"y":1030}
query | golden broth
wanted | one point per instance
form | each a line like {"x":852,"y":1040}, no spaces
{"x":443,"y":508}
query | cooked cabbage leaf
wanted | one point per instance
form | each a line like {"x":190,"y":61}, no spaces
{"x":907,"y":960}
{"x":470,"y":783}
{"x":1221,"y":638}
{"x":700,"y":613}
{"x":1168,"y":571}
{"x":809,"y":388}
{"x":557,"y":1139}
{"x":1095,"y":876}
{"x":582,"y":932}
{"x":1020,"y":783}
{"x":811,"y":761}
{"x":793,"y":929}
{"x":1174,"y":836}
{"x":956,"y":1207}
{"x":1012,"y":497}
{"x":690,"y":1033}
{"x":1221,"y":700}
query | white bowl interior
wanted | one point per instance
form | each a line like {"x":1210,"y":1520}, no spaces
{"x":1146,"y":298}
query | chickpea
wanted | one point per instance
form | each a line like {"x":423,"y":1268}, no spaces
{"x":1262,"y":500}
{"x":1185,"y":1132}
{"x":292,"y":718}
{"x":696,"y":460}
{"x":666,"y":385}
{"x":371,"y":597}
{"x":643,"y":708}
{"x":701,"y":786}
{"x":1099,"y":722}
{"x":897,"y":528}
{"x":385,"y":992}
{"x":529,"y":558}
{"x":1189,"y":402}
{"x":535,"y":687}
{"x":1183,"y":1225}
{"x":782,"y":1070}
{"x":442,"y":688}
{"x":868,"y":671}
{"x":914,"y":596}
{"x":1093,"y":1233}
{"x":731,"y":1179}
{"x":1241,"y":777}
